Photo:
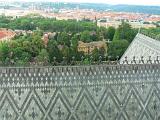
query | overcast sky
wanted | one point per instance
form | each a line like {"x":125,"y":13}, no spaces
{"x":133,"y":2}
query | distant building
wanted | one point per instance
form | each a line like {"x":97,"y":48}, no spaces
{"x":6,"y":35}
{"x":153,"y":18}
{"x":88,"y":48}
{"x":45,"y":39}
{"x":140,"y":25}
{"x":116,"y":24}
{"x":48,"y":36}
{"x":23,"y":32}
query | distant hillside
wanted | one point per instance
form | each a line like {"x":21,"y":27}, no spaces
{"x":136,"y":8}
{"x":102,"y":7}
{"x":98,"y":7}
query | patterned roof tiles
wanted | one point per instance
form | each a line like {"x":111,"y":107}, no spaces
{"x":142,"y":49}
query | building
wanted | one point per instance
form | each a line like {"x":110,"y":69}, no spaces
{"x":6,"y":35}
{"x":142,"y":25}
{"x":88,"y":48}
{"x":116,"y":24}
{"x":45,"y":39}
{"x":48,"y":36}
{"x":23,"y":32}
{"x":107,"y":24}
{"x":153,"y":18}
{"x":143,"y":49}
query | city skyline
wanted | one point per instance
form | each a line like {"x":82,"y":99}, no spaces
{"x":129,"y":2}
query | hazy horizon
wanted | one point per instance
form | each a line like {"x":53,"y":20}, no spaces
{"x":114,"y":2}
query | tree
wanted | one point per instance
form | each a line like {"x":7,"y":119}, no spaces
{"x":102,"y":52}
{"x":94,"y":36}
{"x":43,"y":57}
{"x":37,"y":43}
{"x":116,"y":35}
{"x":85,"y":36}
{"x":24,"y":59}
{"x":124,"y":31}
{"x":110,"y":33}
{"x":117,"y":48}
{"x":95,"y":54}
{"x":18,"y":54}
{"x":27,"y":46}
{"x":65,"y":51}
{"x":54,"y":52}
{"x":158,"y":37}
{"x":63,"y":38}
{"x":74,"y":41}
{"x":4,"y":52}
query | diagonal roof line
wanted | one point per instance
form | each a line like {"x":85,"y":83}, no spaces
{"x":152,"y":45}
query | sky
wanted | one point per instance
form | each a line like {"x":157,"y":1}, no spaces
{"x":130,"y":2}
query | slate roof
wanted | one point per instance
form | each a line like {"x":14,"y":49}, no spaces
{"x":143,"y":49}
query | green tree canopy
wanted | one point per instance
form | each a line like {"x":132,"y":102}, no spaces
{"x":117,"y":48}
{"x":64,"y":39}
{"x":43,"y":57}
{"x":54,"y":52}
{"x":124,"y":31}
{"x":4,"y":52}
{"x":85,"y":36}
{"x":110,"y":33}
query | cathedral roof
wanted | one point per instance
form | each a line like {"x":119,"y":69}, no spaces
{"x":143,"y":49}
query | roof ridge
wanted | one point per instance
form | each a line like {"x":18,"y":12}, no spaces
{"x":149,"y":36}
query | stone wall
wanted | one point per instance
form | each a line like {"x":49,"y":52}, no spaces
{"x":101,"y":92}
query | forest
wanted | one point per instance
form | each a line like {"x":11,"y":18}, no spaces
{"x":61,"y":48}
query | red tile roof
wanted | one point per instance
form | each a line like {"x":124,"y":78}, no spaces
{"x":6,"y":33}
{"x":2,"y":34}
